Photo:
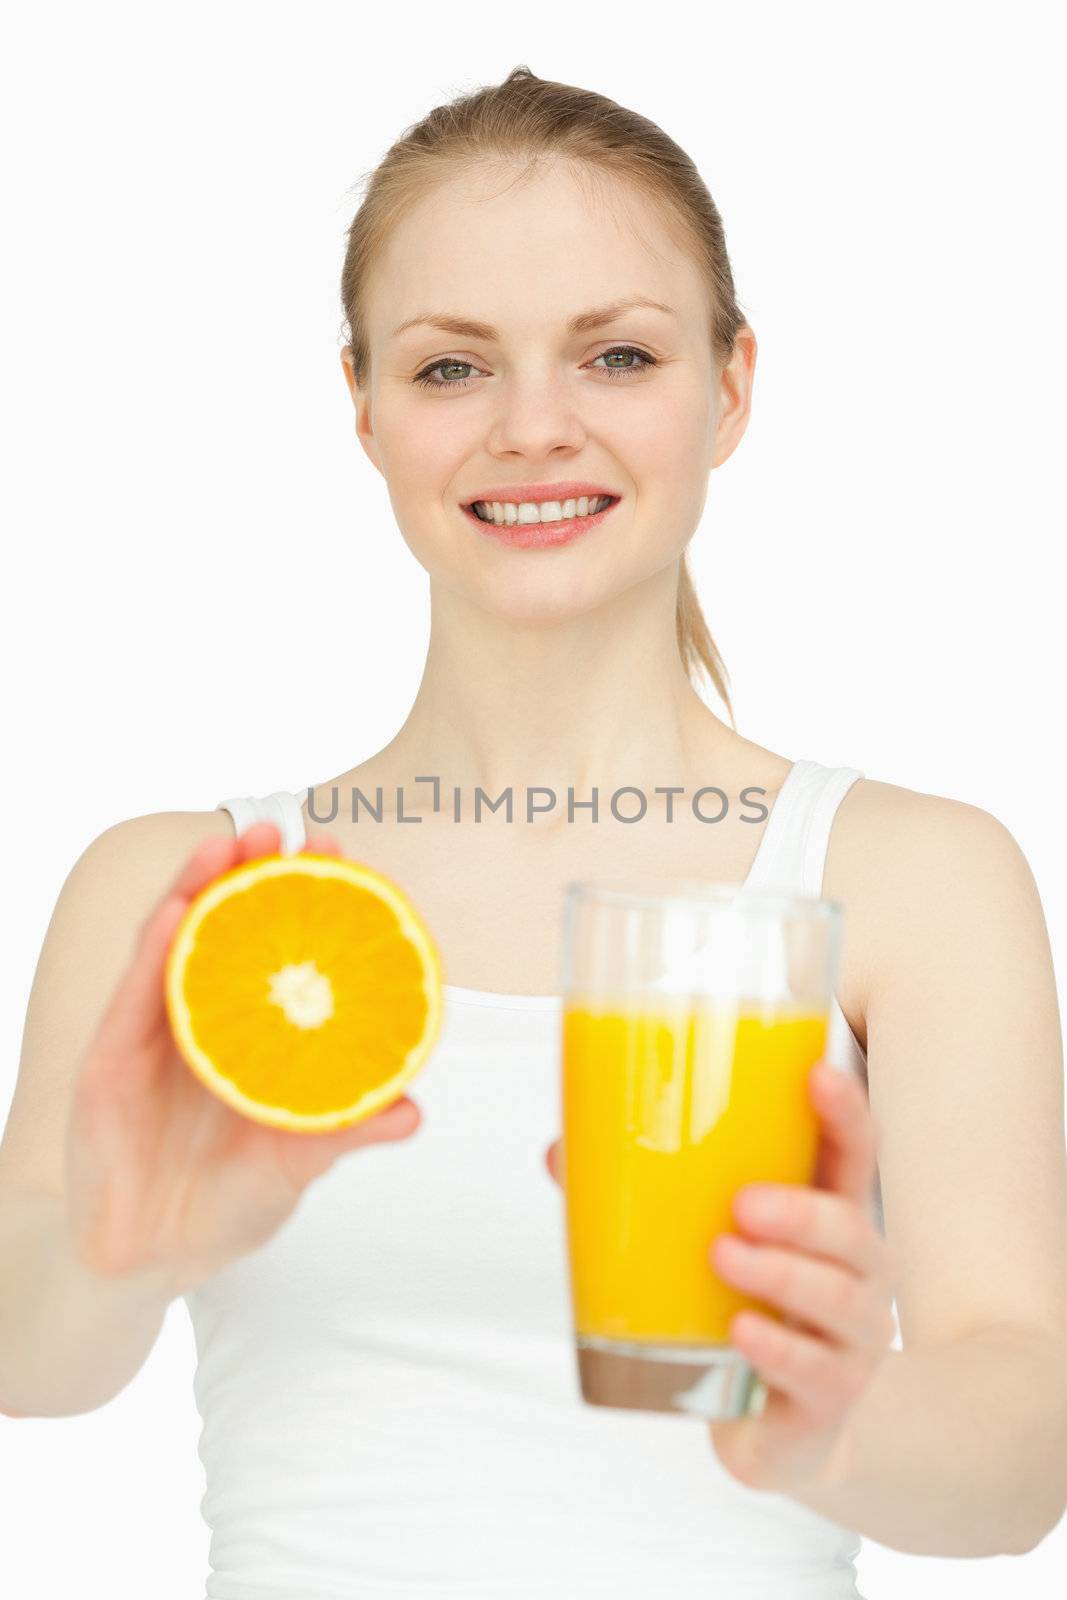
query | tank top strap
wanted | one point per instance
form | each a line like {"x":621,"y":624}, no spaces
{"x":283,"y":808}
{"x":792,"y":855}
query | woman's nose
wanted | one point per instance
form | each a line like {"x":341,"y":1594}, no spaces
{"x":535,"y":415}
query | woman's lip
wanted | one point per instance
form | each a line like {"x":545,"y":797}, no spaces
{"x":538,"y":535}
{"x":566,"y":489}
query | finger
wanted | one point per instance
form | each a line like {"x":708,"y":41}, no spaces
{"x":824,"y":1379}
{"x":848,"y":1153}
{"x":210,"y":857}
{"x":554,"y":1161}
{"x":261,"y":839}
{"x":826,"y":1297}
{"x":218,"y":854}
{"x":818,"y":1221}
{"x":321,"y":843}
{"x":304,"y":1156}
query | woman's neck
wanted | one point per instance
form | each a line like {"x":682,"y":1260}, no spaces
{"x":599,"y":700}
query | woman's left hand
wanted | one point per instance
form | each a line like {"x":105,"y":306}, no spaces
{"x":817,"y":1256}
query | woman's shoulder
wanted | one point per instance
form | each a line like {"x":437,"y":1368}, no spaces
{"x":911,"y":868}
{"x":139,"y":856}
{"x":152,"y":835}
{"x":885,"y":826}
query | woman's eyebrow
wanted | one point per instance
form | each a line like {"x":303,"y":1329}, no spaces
{"x":584,"y":322}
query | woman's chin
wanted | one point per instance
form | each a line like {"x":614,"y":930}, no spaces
{"x":534,"y":600}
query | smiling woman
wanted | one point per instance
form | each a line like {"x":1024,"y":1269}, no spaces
{"x":614,"y":181}
{"x":386,"y":1372}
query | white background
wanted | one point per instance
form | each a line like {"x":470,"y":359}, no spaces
{"x":209,"y":596}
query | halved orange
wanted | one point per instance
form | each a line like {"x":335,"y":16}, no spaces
{"x":304,"y":990}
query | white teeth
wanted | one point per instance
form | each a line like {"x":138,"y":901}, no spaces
{"x":506,"y":512}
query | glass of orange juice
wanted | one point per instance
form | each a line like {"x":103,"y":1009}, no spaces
{"x":693,"y":1014}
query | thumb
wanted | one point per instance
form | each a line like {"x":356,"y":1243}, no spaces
{"x":395,"y":1121}
{"x":309,"y":1155}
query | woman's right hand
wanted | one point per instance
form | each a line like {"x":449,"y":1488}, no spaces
{"x":164,"y":1179}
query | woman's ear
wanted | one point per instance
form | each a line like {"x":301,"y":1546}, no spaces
{"x":735,"y":384}
{"x":361,"y":401}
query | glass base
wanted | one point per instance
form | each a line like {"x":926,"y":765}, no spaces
{"x":709,"y":1381}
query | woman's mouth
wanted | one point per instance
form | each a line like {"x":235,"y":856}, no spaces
{"x":532,"y":526}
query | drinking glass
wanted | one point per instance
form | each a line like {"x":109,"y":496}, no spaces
{"x":693,"y":1014}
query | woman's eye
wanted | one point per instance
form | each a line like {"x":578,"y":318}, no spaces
{"x":628,"y":371}
{"x":429,"y":382}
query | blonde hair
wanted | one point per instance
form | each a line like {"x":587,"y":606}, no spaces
{"x":532,"y":119}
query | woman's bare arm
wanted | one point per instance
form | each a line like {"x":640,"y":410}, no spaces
{"x":70,"y":1338}
{"x":959,"y":1445}
{"x":127,"y":1180}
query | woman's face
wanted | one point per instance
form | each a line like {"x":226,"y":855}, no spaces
{"x":633,"y":405}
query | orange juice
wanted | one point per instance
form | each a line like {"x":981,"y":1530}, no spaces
{"x":668,"y":1109}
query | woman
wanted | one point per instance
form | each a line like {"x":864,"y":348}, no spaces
{"x":541,"y":310}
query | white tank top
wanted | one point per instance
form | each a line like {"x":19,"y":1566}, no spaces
{"x":388,"y":1387}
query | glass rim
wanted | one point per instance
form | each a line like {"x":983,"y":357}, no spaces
{"x":695,"y":892}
